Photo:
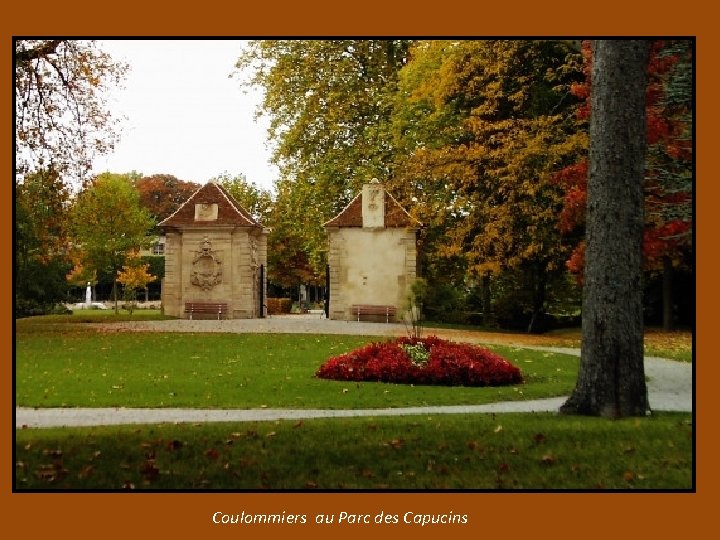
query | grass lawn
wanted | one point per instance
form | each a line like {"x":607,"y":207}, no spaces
{"x":85,"y":368}
{"x":61,"y":364}
{"x":455,"y":452}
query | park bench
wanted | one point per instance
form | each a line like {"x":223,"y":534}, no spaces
{"x":211,"y":308}
{"x":366,"y":309}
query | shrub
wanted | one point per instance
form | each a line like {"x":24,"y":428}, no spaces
{"x":429,"y":360}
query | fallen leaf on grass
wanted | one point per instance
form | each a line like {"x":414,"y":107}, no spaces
{"x":548,"y":459}
{"x":149,"y":470}
{"x":630,"y":476}
{"x":174,"y":445}
{"x":51,"y":472}
{"x":85,"y":472}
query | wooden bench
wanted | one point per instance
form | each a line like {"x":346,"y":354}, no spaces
{"x":366,"y":309}
{"x":211,"y":308}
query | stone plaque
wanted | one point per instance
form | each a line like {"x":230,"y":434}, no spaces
{"x":373,"y":205}
{"x":206,"y":212}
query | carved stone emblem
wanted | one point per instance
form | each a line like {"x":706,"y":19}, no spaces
{"x":207,"y":267}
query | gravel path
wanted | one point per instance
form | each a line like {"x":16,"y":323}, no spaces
{"x":670,"y":384}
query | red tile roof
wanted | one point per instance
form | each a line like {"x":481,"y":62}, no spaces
{"x":230,"y":212}
{"x":395,"y":215}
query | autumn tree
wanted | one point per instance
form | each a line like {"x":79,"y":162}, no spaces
{"x":668,"y":240}
{"x":107,"y":223}
{"x":481,"y":126}
{"x":61,"y":116}
{"x":611,"y":380}
{"x":162,"y":194}
{"x":668,"y":167}
{"x":328,"y":109}
{"x":41,"y":241}
{"x":134,"y":275}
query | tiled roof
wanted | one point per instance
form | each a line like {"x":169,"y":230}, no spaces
{"x":230,"y":212}
{"x":395,"y":215}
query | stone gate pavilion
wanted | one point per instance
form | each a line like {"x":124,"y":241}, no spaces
{"x":215,"y":252}
{"x":372,"y":257}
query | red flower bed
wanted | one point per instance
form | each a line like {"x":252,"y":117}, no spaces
{"x":422,"y":361}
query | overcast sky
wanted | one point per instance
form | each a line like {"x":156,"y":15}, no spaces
{"x":185,"y":116}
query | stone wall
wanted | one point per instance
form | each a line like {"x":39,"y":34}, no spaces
{"x":370,"y":266}
{"x":227,"y":272}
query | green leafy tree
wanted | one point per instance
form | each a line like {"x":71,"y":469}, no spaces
{"x":290,"y":251}
{"x":61,"y":116}
{"x":254,"y":199}
{"x":41,"y":243}
{"x":108,"y":223}
{"x":329,"y":109}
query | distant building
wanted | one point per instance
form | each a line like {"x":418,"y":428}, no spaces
{"x":215,"y":252}
{"x":372,"y":255}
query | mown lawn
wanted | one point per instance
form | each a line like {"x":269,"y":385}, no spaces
{"x":82,"y":364}
{"x":438,"y":452}
{"x":87,"y":368}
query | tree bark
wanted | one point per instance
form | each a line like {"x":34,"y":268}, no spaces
{"x":611,"y":380}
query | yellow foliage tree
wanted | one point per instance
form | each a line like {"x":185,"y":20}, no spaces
{"x":480,"y":127}
{"x":132,"y":277}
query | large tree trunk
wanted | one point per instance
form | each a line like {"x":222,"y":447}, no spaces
{"x":611,"y":381}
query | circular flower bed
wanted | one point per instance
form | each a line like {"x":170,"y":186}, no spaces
{"x":422,"y":361}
